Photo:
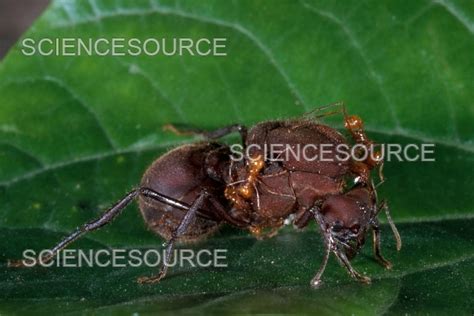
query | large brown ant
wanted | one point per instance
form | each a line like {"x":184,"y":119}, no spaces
{"x":190,"y":191}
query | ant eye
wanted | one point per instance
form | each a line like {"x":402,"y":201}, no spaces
{"x":355,"y":228}
{"x":337,"y":226}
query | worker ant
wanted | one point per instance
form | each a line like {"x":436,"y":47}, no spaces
{"x":190,"y":191}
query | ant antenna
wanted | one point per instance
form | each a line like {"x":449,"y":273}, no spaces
{"x":324,"y":107}
{"x":396,"y":234}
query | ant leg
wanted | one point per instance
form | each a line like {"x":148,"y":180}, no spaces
{"x":107,"y":217}
{"x":316,"y":281}
{"x":272,"y":233}
{"x":103,"y":220}
{"x":180,"y":230}
{"x":381,"y":176}
{"x":376,"y":246}
{"x":221,"y":132}
{"x":185,"y":207}
{"x":396,"y":234}
{"x":262,"y":235}
{"x":302,"y":218}
{"x":149,"y":193}
{"x":345,"y":262}
{"x":215,"y":134}
{"x":226,"y":216}
{"x":185,"y":131}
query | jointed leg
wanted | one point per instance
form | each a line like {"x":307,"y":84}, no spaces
{"x":106,"y":218}
{"x":222,"y":212}
{"x":215,"y":134}
{"x":345,"y":262}
{"x":223,"y":131}
{"x":180,"y":230}
{"x":316,"y":280}
{"x":396,"y":234}
{"x":328,"y":243}
{"x":103,"y":220}
{"x":302,"y":218}
{"x":259,"y":234}
{"x":188,"y":131}
{"x":380,"y":173}
{"x":376,"y":246}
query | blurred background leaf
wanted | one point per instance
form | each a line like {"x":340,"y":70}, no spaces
{"x":77,"y":132}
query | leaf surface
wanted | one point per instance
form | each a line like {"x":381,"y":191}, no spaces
{"x":77,"y":132}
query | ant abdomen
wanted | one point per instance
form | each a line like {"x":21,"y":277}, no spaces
{"x":179,"y":175}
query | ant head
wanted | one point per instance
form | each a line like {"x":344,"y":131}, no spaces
{"x":353,"y":122}
{"x":347,"y":217}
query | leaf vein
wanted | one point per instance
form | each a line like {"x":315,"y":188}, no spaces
{"x":210,"y":20}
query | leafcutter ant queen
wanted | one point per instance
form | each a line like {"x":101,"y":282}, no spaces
{"x":190,"y":191}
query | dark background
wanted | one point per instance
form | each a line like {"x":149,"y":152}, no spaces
{"x":15,"y":18}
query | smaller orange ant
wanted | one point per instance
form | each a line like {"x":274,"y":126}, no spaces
{"x":245,"y":189}
{"x":355,"y":126}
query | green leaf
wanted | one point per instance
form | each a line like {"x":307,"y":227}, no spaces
{"x":77,"y":132}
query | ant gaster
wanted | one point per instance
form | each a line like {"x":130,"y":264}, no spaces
{"x":190,"y":191}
